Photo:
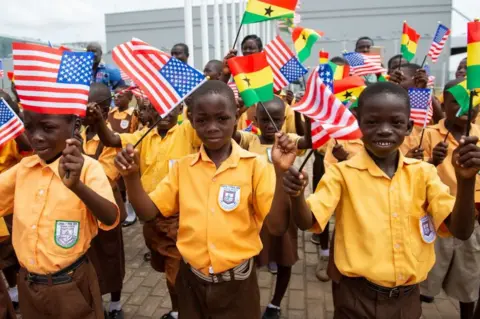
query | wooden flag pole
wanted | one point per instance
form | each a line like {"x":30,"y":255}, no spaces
{"x":421,"y":137}
{"x":146,"y":133}
{"x":469,"y":115}
{"x":236,"y":37}
{"x":424,"y":60}
{"x":270,"y":117}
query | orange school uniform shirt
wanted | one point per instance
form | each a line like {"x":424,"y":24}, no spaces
{"x":412,"y":141}
{"x":126,"y":119}
{"x":106,"y":158}
{"x":288,"y":125}
{"x":379,"y":220}
{"x":157,"y":154}
{"x":351,"y":146}
{"x":221,"y":210}
{"x":52,"y":227}
{"x":436,"y":134}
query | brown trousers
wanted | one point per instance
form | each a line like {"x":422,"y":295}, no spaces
{"x":227,"y":300}
{"x":79,"y":299}
{"x":6,"y":307}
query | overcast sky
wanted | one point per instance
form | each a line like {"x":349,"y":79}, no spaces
{"x":83,"y":20}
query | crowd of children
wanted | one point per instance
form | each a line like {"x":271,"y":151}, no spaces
{"x":217,"y":201}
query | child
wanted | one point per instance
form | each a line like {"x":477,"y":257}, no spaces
{"x":180,"y":51}
{"x":106,"y":251}
{"x":456,"y":270}
{"x":388,"y":209}
{"x":223,"y":194}
{"x":279,"y":250}
{"x":53,"y":229}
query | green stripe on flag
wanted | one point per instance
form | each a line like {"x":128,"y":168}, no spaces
{"x":305,"y":53}
{"x":473,"y":77}
{"x":407,"y":54}
{"x":261,"y":94}
{"x":249,"y":17}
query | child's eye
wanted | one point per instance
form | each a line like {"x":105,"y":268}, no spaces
{"x":224,"y":118}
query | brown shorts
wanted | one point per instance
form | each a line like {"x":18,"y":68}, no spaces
{"x":7,"y":254}
{"x":79,"y":299}
{"x":6,"y":307}
{"x":236,"y":299}
{"x":108,"y":257}
{"x":354,"y":299}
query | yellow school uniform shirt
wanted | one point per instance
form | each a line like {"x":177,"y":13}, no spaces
{"x":377,"y":228}
{"x":121,"y":115}
{"x":221,"y":210}
{"x":352,"y":147}
{"x":52,"y":226}
{"x":436,"y":134}
{"x":412,"y":141}
{"x":106,"y":158}
{"x":157,"y":154}
{"x":288,"y":125}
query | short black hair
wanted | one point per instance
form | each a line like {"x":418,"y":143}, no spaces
{"x":363,"y":38}
{"x":255,"y":38}
{"x":339,"y":59}
{"x":276,"y":100}
{"x":216,"y":63}
{"x":212,"y":87}
{"x":10,"y":101}
{"x":393,"y":58}
{"x":410,"y":67}
{"x":184,"y":46}
{"x":383,"y":88}
{"x":101,"y":92}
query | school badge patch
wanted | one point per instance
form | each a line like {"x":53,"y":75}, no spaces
{"x":229,"y":197}
{"x":66,"y":233}
{"x":269,"y":154}
{"x":427,"y":229}
{"x":124,"y":124}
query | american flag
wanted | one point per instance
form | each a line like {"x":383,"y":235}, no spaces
{"x":166,"y":80}
{"x":50,"y":80}
{"x":1,"y":69}
{"x":234,"y":88}
{"x":331,"y":118}
{"x":126,"y":78}
{"x":431,"y":78}
{"x":326,"y":75}
{"x":285,"y":66}
{"x":420,"y":103}
{"x":364,"y":64}
{"x":441,"y":36}
{"x":10,"y":124}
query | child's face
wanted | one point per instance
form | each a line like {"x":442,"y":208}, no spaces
{"x":143,"y":114}
{"x":214,"y":119}
{"x":396,"y":63}
{"x":451,"y":107}
{"x":277,"y":112}
{"x":461,"y":69}
{"x":47,"y":133}
{"x":179,"y":53}
{"x":363,"y":46}
{"x":250,"y":47}
{"x":122,"y":98}
{"x":409,"y":81}
{"x":212,"y":72}
{"x":384,"y":122}
{"x":168,"y":121}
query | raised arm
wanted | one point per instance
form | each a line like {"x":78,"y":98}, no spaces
{"x":107,"y":136}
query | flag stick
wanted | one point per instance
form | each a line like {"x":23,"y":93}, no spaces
{"x":446,"y":136}
{"x":306,"y":160}
{"x":424,"y":60}
{"x":270,"y":117}
{"x":146,"y":133}
{"x":236,"y":37}
{"x":421,"y":137}
{"x":67,"y":173}
{"x":469,"y":115}
{"x":400,"y":61}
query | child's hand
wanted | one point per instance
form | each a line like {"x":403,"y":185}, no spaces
{"x":439,"y":153}
{"x":466,"y":158}
{"x":71,"y":161}
{"x":397,"y":76}
{"x":294,"y":182}
{"x":420,"y":79}
{"x":416,"y":153}
{"x":230,"y":54}
{"x":339,"y":153}
{"x":127,"y":161}
{"x":283,"y":151}
{"x":94,"y":113}
{"x":241,"y":106}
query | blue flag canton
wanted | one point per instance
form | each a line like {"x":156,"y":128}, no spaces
{"x":354,"y":59}
{"x":419,"y":98}
{"x":75,"y":68}
{"x":182,"y":77}
{"x":441,"y":31}
{"x":6,"y":113}
{"x":326,"y":74}
{"x":293,"y":70}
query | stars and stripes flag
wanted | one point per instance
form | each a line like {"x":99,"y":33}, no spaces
{"x":420,"y":104}
{"x":166,"y":80}
{"x":1,"y":69}
{"x":10,"y":124}
{"x":51,"y":80}
{"x":331,"y":119}
{"x":124,"y":76}
{"x":441,"y":36}
{"x":285,"y":65}
{"x":364,"y":64}
{"x":234,"y":88}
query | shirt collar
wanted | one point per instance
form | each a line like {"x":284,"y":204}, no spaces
{"x":35,"y":160}
{"x":363,"y":161}
{"x":232,"y":161}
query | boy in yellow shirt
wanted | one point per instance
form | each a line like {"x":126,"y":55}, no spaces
{"x":54,"y":227}
{"x":223,"y":195}
{"x":389,"y":209}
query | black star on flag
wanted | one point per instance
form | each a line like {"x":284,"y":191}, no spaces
{"x":268,"y":11}
{"x":475,"y":93}
{"x":304,"y":37}
{"x":348,"y":95}
{"x":247,"y":80}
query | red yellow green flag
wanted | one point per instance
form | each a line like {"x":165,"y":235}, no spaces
{"x":473,"y":55}
{"x":339,"y":71}
{"x":462,"y":96}
{"x":410,"y":39}
{"x":253,"y":77}
{"x":349,"y":88}
{"x":304,"y":39}
{"x":323,"y":57}
{"x":263,"y":10}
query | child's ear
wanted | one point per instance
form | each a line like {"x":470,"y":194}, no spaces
{"x":409,"y":127}
{"x":77,"y":124}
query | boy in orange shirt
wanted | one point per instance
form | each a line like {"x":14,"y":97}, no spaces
{"x":223,"y":195}
{"x":389,"y":209}
{"x":53,"y":229}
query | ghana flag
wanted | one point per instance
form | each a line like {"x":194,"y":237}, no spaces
{"x":410,"y":39}
{"x":304,"y":39}
{"x":473,"y":55}
{"x":263,"y":10}
{"x":462,"y":95}
{"x":253,"y":77}
{"x":323,"y":57}
{"x":349,"y":88}
{"x":339,"y":71}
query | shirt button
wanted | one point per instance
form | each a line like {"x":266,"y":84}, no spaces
{"x":397,"y":246}
{"x":34,"y":226}
{"x":212,"y":246}
{"x":214,"y":179}
{"x":212,"y":210}
{"x":395,"y":215}
{"x":31,"y":261}
{"x":40,"y":192}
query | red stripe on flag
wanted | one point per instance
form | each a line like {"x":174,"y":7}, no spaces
{"x":287,"y":4}
{"x":473,"y":32}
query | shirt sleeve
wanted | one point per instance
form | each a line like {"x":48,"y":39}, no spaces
{"x":97,"y":181}
{"x":326,"y":197}
{"x":427,"y":145}
{"x":166,"y":194}
{"x":246,"y":138}
{"x":295,"y":138}
{"x":7,"y":189}
{"x":131,"y":138}
{"x":107,"y":159}
{"x":440,"y":202}
{"x":290,"y":121}
{"x":264,"y":181}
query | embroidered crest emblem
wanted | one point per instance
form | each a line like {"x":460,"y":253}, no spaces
{"x":427,"y":229}
{"x":229,"y":197}
{"x":269,"y":154}
{"x":66,"y":233}
{"x":124,"y":124}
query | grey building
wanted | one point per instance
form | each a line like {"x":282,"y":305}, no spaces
{"x":342,"y":21}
